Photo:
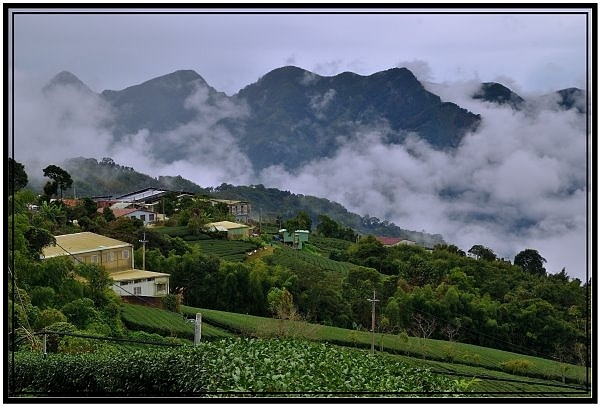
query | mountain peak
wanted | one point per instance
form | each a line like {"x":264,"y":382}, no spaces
{"x":287,"y":74}
{"x":500,"y":94}
{"x":66,"y":78}
{"x":183,"y":75}
{"x":572,"y":97}
{"x":174,"y":80}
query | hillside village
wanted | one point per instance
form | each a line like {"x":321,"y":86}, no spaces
{"x":117,"y":257}
{"x":136,"y":284}
{"x":80,"y":264}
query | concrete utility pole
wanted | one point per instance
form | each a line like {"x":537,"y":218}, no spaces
{"x":198,"y":329}
{"x":144,"y":241}
{"x":373,"y":322}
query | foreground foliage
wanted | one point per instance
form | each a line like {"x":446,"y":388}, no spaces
{"x":229,"y":367}
{"x":454,"y":354}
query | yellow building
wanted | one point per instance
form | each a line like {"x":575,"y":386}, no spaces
{"x":116,"y":257}
{"x":235,"y":231}
{"x":91,"y":248}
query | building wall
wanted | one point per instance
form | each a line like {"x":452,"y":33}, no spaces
{"x":240,"y":210}
{"x":142,"y":287}
{"x":115,"y":259}
{"x":297,"y":238}
{"x":237,"y":233}
{"x":146,"y":217}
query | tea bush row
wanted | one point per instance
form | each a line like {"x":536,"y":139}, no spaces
{"x":227,"y":366}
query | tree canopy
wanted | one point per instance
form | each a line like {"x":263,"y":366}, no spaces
{"x":302,"y":221}
{"x":531,"y":261}
{"x":482,"y":252}
{"x":17,"y":177}
{"x":61,"y":180}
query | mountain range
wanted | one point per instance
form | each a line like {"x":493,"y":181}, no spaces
{"x":292,"y":116}
{"x":288,"y":119}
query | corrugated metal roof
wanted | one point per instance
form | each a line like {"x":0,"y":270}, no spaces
{"x":141,"y":195}
{"x":81,"y":242}
{"x":135,"y":274}
{"x":120,"y":205}
{"x":226,"y":225}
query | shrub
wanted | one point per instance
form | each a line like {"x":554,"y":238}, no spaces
{"x":517,"y":366}
{"x":48,"y":317}
{"x":42,"y":296}
{"x":226,"y":366}
{"x":53,"y":340}
{"x":172,"y":302}
{"x":80,"y":312}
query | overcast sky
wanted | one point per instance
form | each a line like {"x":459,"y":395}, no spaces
{"x":515,"y":170}
{"x":538,"y":52}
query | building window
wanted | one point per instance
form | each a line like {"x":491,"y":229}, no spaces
{"x":137,"y":290}
{"x":123,"y":283}
{"x":161,"y":287}
{"x":125,"y":254}
{"x":150,"y":217}
{"x":143,"y":217}
{"x":110,"y":256}
{"x":94,"y":259}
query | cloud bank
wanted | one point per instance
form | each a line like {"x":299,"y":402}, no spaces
{"x":518,"y":182}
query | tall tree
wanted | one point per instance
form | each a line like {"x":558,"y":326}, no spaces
{"x":531,"y":261}
{"x":60,"y":178}
{"x":482,"y":252}
{"x":108,"y":214}
{"x":450,"y":248}
{"x":17,"y":177}
{"x":327,"y":227}
{"x":301,"y":222}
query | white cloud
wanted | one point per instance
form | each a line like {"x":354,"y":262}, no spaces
{"x":68,"y":122}
{"x":61,"y":123}
{"x":516,"y":183}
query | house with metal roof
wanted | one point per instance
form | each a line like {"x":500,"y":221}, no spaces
{"x":294,"y":238}
{"x":148,"y":195}
{"x":234,"y":231}
{"x":146,"y":216}
{"x":117,"y":258}
{"x":393,"y":241}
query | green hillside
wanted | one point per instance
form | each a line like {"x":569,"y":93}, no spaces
{"x":489,"y":372}
{"x":477,"y":317}
{"x":490,"y":368}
